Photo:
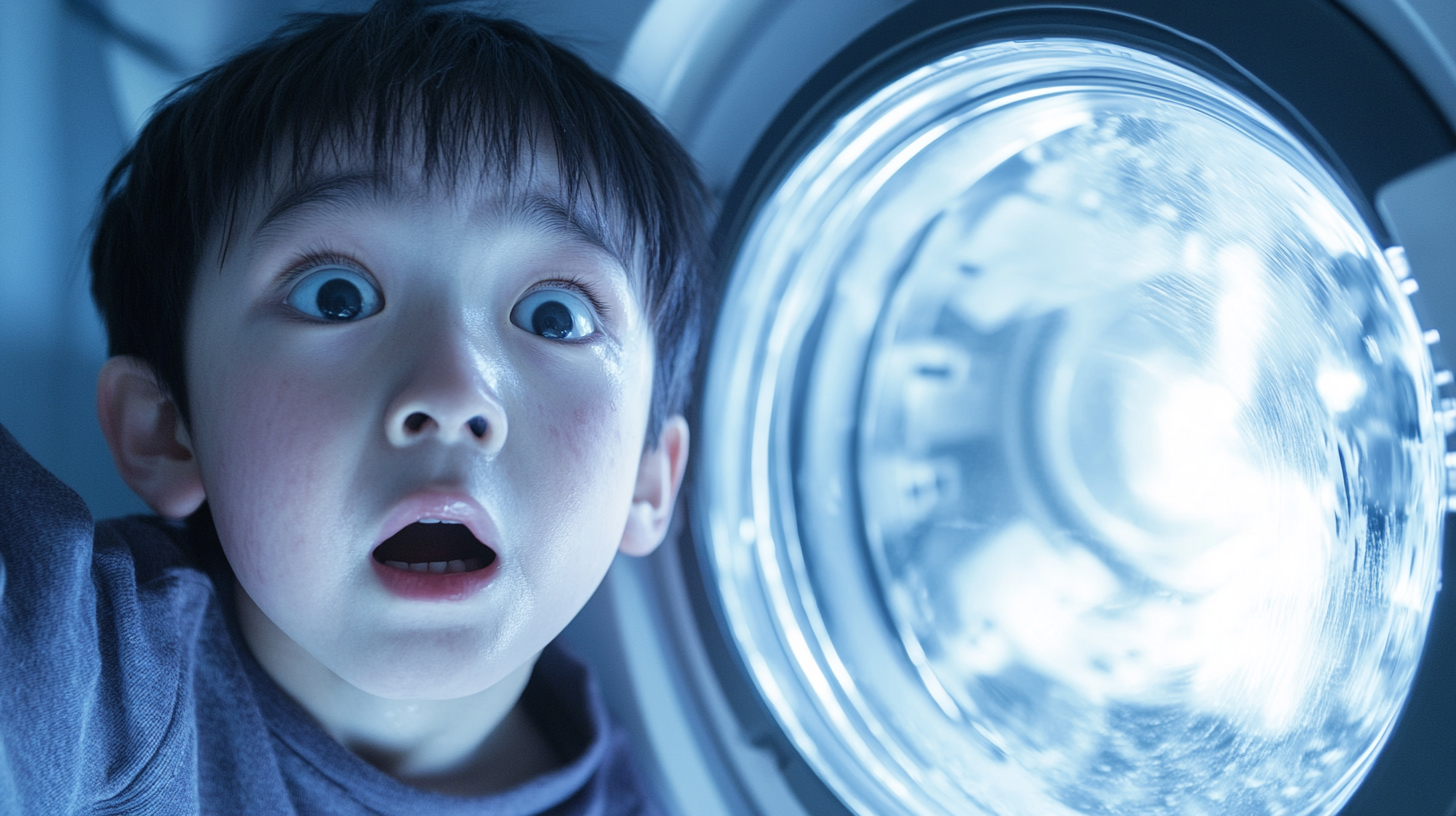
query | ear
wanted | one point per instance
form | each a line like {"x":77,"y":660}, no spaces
{"x":658,"y":478}
{"x":147,"y":439}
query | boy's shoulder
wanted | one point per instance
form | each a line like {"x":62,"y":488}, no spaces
{"x":46,"y":528}
{"x":35,"y":506}
{"x":59,"y":569}
{"x":94,"y":646}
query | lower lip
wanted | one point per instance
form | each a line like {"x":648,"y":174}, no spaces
{"x":435,"y":586}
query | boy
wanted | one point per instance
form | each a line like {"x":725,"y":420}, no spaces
{"x":403,"y":309}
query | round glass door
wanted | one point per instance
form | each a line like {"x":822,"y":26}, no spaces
{"x":1070,"y":448}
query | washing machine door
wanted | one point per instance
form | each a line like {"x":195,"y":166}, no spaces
{"x":1069,"y":442}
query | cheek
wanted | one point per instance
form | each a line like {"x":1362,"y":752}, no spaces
{"x":590,"y":414}
{"x":586,"y":465}
{"x":590,"y":430}
{"x":271,"y":444}
{"x":262,"y":421}
{"x":576,"y":455}
{"x":603,"y":433}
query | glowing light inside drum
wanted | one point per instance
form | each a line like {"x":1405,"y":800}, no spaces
{"x":1101,"y":472}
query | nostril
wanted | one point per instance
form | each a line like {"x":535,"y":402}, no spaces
{"x":478,"y":426}
{"x":414,"y":422}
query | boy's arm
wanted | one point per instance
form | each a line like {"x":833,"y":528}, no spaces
{"x":97,"y":638}
{"x":48,"y":654}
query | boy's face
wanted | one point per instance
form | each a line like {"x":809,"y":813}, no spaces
{"x":367,"y":358}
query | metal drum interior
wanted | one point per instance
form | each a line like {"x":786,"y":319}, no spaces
{"x":1072,"y":449}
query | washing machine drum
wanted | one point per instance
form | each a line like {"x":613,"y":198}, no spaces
{"x":1071,"y":443}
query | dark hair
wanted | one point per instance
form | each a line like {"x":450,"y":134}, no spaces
{"x":446,"y":87}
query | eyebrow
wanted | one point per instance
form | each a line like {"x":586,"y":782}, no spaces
{"x":552,"y":213}
{"x":534,"y":207}
{"x":342,"y":189}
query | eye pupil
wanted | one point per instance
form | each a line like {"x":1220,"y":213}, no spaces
{"x":552,"y":319}
{"x":338,"y":299}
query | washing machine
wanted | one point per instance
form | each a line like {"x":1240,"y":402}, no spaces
{"x":1071,"y":433}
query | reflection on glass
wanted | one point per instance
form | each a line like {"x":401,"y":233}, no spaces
{"x":1179,"y":396}
{"x":1087,"y":461}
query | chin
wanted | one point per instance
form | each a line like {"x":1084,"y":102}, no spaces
{"x":438,"y":676}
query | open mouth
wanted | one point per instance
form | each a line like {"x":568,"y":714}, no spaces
{"x":433,"y":545}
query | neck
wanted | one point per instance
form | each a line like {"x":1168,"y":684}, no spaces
{"x":467,"y":746}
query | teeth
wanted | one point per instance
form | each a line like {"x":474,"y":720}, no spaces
{"x":437,"y":567}
{"x":437,"y":521}
{"x":429,"y":521}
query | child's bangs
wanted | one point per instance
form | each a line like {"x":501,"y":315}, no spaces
{"x":445,"y":102}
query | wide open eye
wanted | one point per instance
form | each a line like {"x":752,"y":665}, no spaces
{"x":556,"y":314}
{"x":336,"y":293}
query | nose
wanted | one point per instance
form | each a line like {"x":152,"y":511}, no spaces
{"x":445,"y":397}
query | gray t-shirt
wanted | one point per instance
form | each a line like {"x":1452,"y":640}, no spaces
{"x":125,"y":687}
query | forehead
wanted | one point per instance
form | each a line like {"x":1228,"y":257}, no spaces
{"x":534,"y":192}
